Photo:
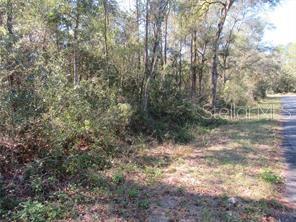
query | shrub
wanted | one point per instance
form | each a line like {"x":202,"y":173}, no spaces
{"x":37,"y":212}
{"x":237,"y":92}
{"x":85,"y":123}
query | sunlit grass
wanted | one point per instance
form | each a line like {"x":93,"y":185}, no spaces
{"x":229,"y":161}
{"x":240,"y":161}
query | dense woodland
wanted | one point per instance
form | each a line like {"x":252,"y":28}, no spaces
{"x":85,"y":81}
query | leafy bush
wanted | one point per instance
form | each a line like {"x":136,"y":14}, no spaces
{"x":237,"y":92}
{"x":85,"y":124}
{"x":170,"y":112}
{"x":37,"y":212}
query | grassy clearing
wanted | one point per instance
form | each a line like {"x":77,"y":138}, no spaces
{"x":231,"y":173}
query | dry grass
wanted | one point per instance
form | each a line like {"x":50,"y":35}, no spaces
{"x":231,"y":173}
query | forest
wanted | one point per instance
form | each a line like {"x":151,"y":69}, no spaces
{"x":89,"y":88}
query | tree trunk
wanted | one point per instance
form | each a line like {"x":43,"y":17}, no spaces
{"x":214,"y":72}
{"x":106,"y":27}
{"x":57,"y":36}
{"x":10,"y":66}
{"x":180,"y":65}
{"x":138,"y":33}
{"x":166,"y":38}
{"x":225,"y":69}
{"x":9,"y":21}
{"x":147,"y":72}
{"x":194,"y":64}
{"x":150,"y":70}
{"x":201,"y":69}
{"x":214,"y":79}
{"x":226,"y":51}
{"x":75,"y":48}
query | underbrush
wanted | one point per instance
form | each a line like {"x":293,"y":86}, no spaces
{"x":55,"y":136}
{"x":174,"y":121}
{"x":73,"y":131}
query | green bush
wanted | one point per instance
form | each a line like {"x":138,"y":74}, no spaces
{"x":35,"y":211}
{"x":270,"y":177}
{"x":237,"y":92}
{"x":85,"y":123}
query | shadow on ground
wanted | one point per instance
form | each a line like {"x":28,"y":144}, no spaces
{"x":163,"y":202}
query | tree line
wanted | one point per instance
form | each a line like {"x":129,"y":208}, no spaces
{"x":82,"y":80}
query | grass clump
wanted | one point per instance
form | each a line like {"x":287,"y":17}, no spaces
{"x":118,"y":178}
{"x":144,"y":204}
{"x":133,"y":193}
{"x":270,"y":177}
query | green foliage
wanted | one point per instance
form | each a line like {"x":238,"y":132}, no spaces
{"x":88,"y":113}
{"x":37,"y":212}
{"x":133,"y":192}
{"x":54,"y":131}
{"x":79,"y":162}
{"x":286,"y":80}
{"x":36,"y":184}
{"x":118,"y":178}
{"x":144,"y":204}
{"x":237,"y":91}
{"x":94,"y":180}
{"x":270,"y":177}
{"x":8,"y":202}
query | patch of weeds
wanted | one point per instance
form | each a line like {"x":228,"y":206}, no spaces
{"x":133,"y":192}
{"x":130,"y":168}
{"x":36,"y":211}
{"x":231,"y":216}
{"x":144,"y":204}
{"x":83,"y":199}
{"x":153,"y":161}
{"x":60,"y":196}
{"x":93,"y":180}
{"x":207,"y":215}
{"x":123,"y":203}
{"x":182,"y":136}
{"x":250,"y":210}
{"x":7,"y":203}
{"x":276,"y":205}
{"x":120,"y":191}
{"x":37,"y":185}
{"x":118,"y":178}
{"x":153,"y":174}
{"x":270,"y":177}
{"x":101,"y":191}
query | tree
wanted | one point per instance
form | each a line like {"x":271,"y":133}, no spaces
{"x":158,"y":10}
{"x":225,"y":8}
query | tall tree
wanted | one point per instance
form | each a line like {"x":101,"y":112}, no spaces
{"x":76,"y":42}
{"x":226,"y":6}
{"x":105,"y":3}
